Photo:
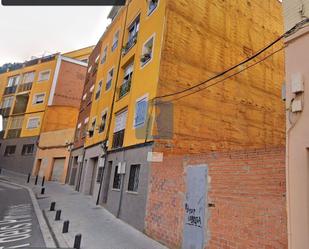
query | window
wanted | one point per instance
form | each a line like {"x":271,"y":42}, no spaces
{"x":97,"y":59}
{"x":78,"y":130}
{"x":27,"y":149}
{"x":115,"y":41}
{"x":7,"y":102}
{"x":16,"y":122}
{"x":98,"y":93}
{"x":140,"y":112}
{"x":120,"y":125}
{"x":85,"y":60}
{"x":33,"y":123}
{"x":132,"y":36}
{"x":152,"y":5}
{"x":89,"y":69}
{"x":104,"y":55}
{"x":84,"y":134}
{"x":133,"y":29}
{"x":126,"y":85}
{"x":28,"y":78}
{"x":10,"y":150}
{"x":85,"y":96}
{"x":100,"y":174}
{"x":44,"y":75}
{"x":38,"y":98}
{"x":91,"y":88}
{"x":147,"y":52}
{"x":103,"y":121}
{"x":134,"y":178}
{"x":109,"y":79}
{"x":92,"y":127}
{"x":117,"y":179}
{"x":13,"y":81}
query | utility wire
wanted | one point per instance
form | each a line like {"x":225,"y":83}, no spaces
{"x":285,"y":35}
{"x":228,"y":77}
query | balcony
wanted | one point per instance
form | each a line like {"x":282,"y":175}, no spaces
{"x":24,"y":87}
{"x":21,"y":104}
{"x":10,"y":90}
{"x":118,"y":139}
{"x":132,"y":41}
{"x":13,"y":133}
{"x":5,"y":112}
{"x":124,"y":88}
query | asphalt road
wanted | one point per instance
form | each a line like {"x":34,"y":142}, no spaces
{"x":19,"y":226}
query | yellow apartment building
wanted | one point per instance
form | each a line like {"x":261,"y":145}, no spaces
{"x":30,"y":93}
{"x":152,"y":133}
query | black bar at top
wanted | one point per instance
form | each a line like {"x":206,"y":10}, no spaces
{"x":61,"y":2}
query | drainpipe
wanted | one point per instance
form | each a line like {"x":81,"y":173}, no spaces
{"x":114,"y":95}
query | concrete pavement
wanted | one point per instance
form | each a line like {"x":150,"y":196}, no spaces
{"x":99,"y":228}
{"x":19,"y":226}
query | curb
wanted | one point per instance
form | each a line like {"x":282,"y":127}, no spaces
{"x":48,"y":239}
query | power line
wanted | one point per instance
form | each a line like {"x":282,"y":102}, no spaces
{"x":285,"y":35}
{"x":230,"y":76}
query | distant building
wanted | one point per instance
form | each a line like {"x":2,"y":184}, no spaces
{"x":143,"y":152}
{"x":37,"y":98}
{"x":297,"y":98}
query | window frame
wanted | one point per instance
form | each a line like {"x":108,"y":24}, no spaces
{"x":150,"y":12}
{"x":44,"y":71}
{"x":104,"y":55}
{"x":24,"y":150}
{"x":135,"y":182}
{"x":152,"y":37}
{"x":140,"y":99}
{"x":104,"y":113}
{"x":6,"y":148}
{"x":35,"y":95}
{"x":30,"y":119}
{"x":113,"y":48}
{"x":117,"y":188}
{"x":98,"y":90}
{"x":109,"y":79}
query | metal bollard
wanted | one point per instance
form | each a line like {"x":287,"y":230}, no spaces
{"x":52,"y":206}
{"x":58,"y":215}
{"x":28,"y":179}
{"x":65,"y":227}
{"x":42,"y":191}
{"x":43,"y":181}
{"x":77,"y":241}
{"x":36,"y":180}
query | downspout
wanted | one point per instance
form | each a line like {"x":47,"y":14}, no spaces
{"x":114,"y":96}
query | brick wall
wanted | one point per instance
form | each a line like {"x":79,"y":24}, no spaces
{"x":247,"y":189}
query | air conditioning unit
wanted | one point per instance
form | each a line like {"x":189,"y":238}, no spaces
{"x":297,"y":84}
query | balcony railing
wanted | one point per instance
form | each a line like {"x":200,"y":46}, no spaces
{"x":124,"y":88}
{"x":130,"y":43}
{"x":25,"y":87}
{"x":5,"y":112}
{"x":10,"y":90}
{"x":13,"y":133}
{"x":118,"y":139}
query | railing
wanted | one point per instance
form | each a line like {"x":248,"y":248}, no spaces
{"x":130,"y":43}
{"x":10,"y":90}
{"x":124,"y":88}
{"x":25,"y":87}
{"x":5,"y":112}
{"x":118,"y":139}
{"x":13,"y":133}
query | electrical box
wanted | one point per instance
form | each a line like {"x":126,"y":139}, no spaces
{"x":297,"y":106}
{"x":297,"y":84}
{"x":121,"y":168}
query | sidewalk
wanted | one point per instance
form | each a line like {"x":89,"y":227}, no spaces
{"x":99,"y":228}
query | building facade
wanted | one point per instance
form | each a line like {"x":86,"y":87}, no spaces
{"x":29,"y":93}
{"x":297,"y":83}
{"x":152,"y":134}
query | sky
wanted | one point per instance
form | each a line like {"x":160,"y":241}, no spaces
{"x":27,"y":31}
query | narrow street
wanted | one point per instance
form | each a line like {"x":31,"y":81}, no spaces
{"x":19,"y":226}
